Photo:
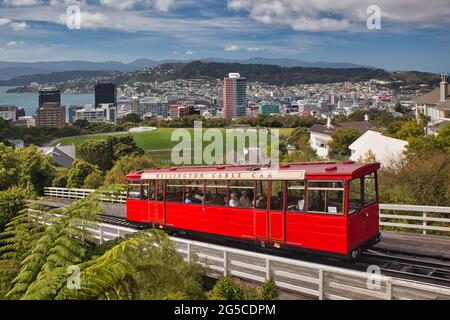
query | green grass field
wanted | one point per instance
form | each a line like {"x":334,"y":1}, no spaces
{"x":156,"y":144}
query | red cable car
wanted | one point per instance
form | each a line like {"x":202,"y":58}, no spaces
{"x":329,"y":208}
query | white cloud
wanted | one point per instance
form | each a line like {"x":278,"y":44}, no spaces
{"x":343,"y":15}
{"x":255,"y":49}
{"x":14,"y":43}
{"x":164,"y":5}
{"x":232,"y":48}
{"x":190,"y":52}
{"x":18,"y":26}
{"x":21,"y":3}
{"x":160,"y":5}
{"x":4,"y":21}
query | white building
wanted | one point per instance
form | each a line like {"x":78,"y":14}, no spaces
{"x":104,"y":113}
{"x":383,"y":149}
{"x":436,"y":105}
{"x":322,"y":135}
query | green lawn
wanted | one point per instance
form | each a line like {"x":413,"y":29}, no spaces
{"x":156,"y":144}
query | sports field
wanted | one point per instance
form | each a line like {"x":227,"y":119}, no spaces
{"x":157,"y":144}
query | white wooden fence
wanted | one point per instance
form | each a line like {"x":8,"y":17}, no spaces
{"x":304,"y":278}
{"x":412,"y":217}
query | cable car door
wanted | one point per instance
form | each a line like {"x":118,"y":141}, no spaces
{"x":261,"y":211}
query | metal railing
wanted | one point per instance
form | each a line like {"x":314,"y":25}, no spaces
{"x":304,"y":278}
{"x":431,"y":219}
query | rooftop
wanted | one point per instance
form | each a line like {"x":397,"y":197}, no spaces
{"x":348,"y":168}
{"x":360,"y":126}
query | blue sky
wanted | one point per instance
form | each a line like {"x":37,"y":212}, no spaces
{"x":414,"y":34}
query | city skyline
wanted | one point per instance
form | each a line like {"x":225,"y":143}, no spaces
{"x":412,"y":36}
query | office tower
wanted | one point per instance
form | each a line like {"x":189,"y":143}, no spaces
{"x":49,"y":95}
{"x":51,"y":115}
{"x":105,"y":93}
{"x":234,"y":96}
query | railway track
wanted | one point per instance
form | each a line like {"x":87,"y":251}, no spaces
{"x":417,"y":269}
{"x":435,"y":272}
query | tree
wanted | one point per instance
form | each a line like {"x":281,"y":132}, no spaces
{"x":9,"y":167}
{"x":104,"y":153}
{"x":37,"y":170}
{"x":123,"y":146}
{"x":423,"y":178}
{"x":11,"y":202}
{"x":35,"y":257}
{"x":126,"y":165}
{"x":94,"y":180}
{"x":60,"y":179}
{"x":441,"y":142}
{"x":228,"y":289}
{"x":81,"y":123}
{"x":131,"y":117}
{"x":97,"y":153}
{"x":410,"y":130}
{"x":342,"y":139}
{"x":80,"y":171}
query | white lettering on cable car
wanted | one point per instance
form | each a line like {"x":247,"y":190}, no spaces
{"x":234,"y":175}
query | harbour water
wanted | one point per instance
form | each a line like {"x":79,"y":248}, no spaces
{"x":29,"y":101}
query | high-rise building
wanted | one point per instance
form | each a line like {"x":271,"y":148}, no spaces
{"x":51,"y":115}
{"x":11,"y":113}
{"x":49,"y":95}
{"x":105,"y":93}
{"x":234,"y":96}
{"x":154,"y":107}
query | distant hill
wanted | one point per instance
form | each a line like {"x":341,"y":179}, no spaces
{"x":9,"y":70}
{"x":55,"y":77}
{"x":264,"y":73}
{"x":269,"y":74}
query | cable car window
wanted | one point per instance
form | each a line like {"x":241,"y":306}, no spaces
{"x":355,"y":196}
{"x":134,"y":191}
{"x":194,"y":192}
{"x":326,"y":197}
{"x":134,"y":182}
{"x":370,"y":189}
{"x":216,"y":193}
{"x":144,"y":189}
{"x":277,"y":196}
{"x":152,"y":193}
{"x":295,"y":201}
{"x":160,"y":193}
{"x":174,"y":191}
{"x":261,"y":195}
{"x":241,"y":194}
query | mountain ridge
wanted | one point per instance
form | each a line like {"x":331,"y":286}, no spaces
{"x":9,"y":70}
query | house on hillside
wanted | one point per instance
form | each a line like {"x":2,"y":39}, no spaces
{"x":436,"y":106}
{"x":383,"y":149}
{"x":321,"y":135}
{"x":63,"y":156}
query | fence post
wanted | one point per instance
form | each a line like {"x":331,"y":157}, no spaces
{"x":189,"y":252}
{"x":424,"y":224}
{"x":268,"y":274}
{"x":101,"y":235}
{"x":225,"y":263}
{"x":321,"y":284}
{"x":389,"y":289}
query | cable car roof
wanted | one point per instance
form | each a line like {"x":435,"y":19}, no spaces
{"x":292,"y":171}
